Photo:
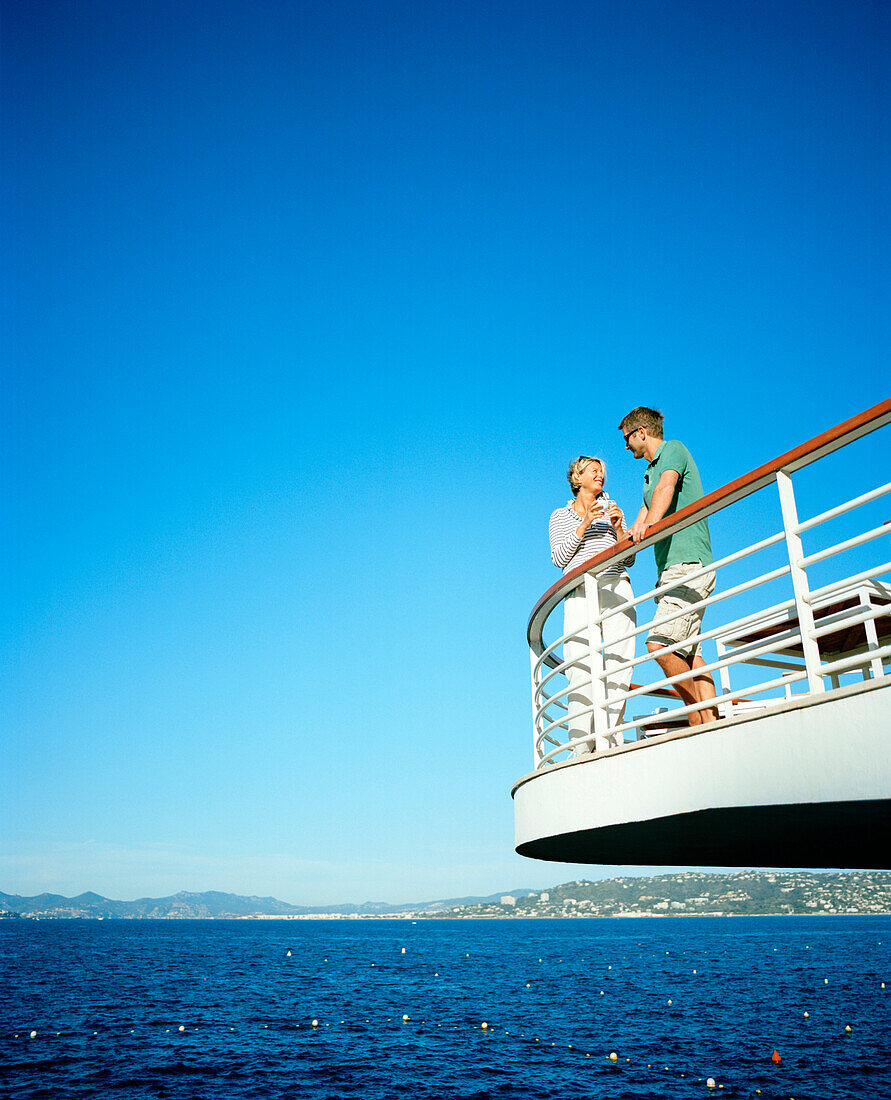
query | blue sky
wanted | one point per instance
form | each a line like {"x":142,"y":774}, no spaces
{"x":306,"y":308}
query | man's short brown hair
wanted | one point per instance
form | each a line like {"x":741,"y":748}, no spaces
{"x":643,"y":417}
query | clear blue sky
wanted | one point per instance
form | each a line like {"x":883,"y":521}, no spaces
{"x":306,"y":307}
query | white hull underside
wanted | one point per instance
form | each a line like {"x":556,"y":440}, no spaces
{"x":805,"y":784}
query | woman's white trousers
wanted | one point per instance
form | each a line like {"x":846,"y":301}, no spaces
{"x":612,"y":591}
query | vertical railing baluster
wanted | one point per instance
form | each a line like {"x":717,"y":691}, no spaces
{"x":800,"y":583}
{"x":599,"y":718}
{"x":536,"y":755}
{"x":872,"y":640}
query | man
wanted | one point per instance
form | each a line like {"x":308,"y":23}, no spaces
{"x":670,"y":484}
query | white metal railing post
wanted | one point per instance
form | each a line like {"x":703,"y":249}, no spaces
{"x":724,"y":675}
{"x":872,"y":639}
{"x":599,"y":718}
{"x":536,"y":755}
{"x":799,"y":583}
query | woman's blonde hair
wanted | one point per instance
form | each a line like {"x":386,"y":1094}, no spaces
{"x":577,"y":467}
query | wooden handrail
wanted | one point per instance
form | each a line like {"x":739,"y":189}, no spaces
{"x":862,"y":424}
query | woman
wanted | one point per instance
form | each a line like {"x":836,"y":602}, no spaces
{"x":589,"y":524}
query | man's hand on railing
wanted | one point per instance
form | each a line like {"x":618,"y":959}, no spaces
{"x":638,"y":530}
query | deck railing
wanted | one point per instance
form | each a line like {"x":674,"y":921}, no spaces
{"x":821,"y":629}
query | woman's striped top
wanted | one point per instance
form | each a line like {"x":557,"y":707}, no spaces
{"x":568,"y":550}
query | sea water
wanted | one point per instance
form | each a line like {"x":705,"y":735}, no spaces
{"x":186,"y":1009}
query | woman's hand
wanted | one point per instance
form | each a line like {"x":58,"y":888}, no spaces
{"x":593,"y":513}
{"x":616,"y":518}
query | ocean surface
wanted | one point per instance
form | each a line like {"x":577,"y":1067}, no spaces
{"x":185,"y":1009}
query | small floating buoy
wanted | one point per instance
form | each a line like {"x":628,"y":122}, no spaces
{"x":848,"y":1029}
{"x":289,"y":953}
{"x":669,"y":1003}
{"x":528,"y":986}
{"x":807,"y":1015}
{"x":405,"y":1018}
{"x":613,"y":1056}
{"x":403,"y":952}
{"x":485,"y":1026}
{"x":710,"y":1083}
{"x":776,"y":1058}
{"x":694,"y":971}
{"x":825,"y":981}
{"x":33,"y":1034}
{"x":315,"y":1023}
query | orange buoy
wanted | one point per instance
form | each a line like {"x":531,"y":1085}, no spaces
{"x":775,"y":1058}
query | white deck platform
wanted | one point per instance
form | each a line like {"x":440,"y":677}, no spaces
{"x":805,"y":784}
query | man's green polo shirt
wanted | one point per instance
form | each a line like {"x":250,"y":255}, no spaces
{"x":694,"y":542}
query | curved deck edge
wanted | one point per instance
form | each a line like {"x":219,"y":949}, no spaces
{"x":804,"y":784}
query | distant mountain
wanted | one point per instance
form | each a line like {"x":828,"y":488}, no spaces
{"x":211,"y":904}
{"x":183,"y":904}
{"x":741,"y":893}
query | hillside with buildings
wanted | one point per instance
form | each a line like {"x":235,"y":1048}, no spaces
{"x":695,"y":893}
{"x":690,"y":893}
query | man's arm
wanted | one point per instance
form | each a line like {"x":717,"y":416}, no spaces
{"x":660,"y":502}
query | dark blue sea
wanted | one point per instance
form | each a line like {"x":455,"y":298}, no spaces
{"x":184,"y":1009}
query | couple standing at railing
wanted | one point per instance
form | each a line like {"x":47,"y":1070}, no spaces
{"x":589,"y":524}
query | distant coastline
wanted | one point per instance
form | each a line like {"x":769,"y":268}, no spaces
{"x":687,"y":894}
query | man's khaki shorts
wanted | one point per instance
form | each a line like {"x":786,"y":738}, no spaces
{"x":676,"y":598}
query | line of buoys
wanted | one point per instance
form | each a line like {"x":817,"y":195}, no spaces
{"x":487,"y":1028}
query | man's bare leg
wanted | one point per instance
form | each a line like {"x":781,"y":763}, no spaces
{"x":704,"y":686}
{"x":694,"y":690}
